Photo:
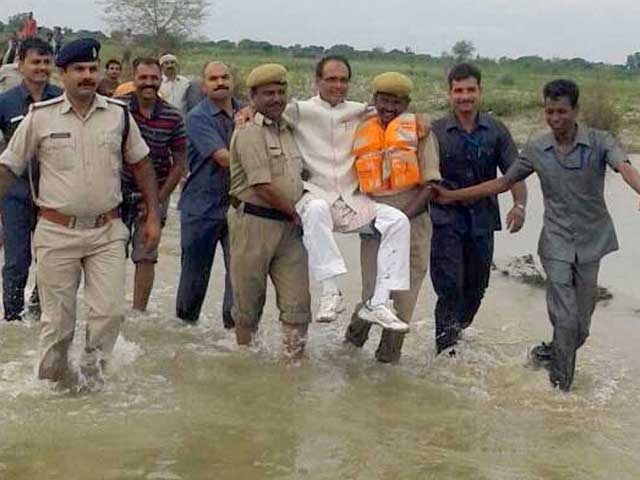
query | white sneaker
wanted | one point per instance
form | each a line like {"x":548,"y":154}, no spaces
{"x":330,"y":306}
{"x":384,"y":316}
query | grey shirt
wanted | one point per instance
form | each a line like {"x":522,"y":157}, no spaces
{"x":577,"y":226}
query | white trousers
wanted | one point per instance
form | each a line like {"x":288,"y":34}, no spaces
{"x":325,"y":259}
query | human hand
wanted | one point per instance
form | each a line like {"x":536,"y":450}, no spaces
{"x":440,"y":194}
{"x":244,"y":116}
{"x":515,"y":218}
{"x":151,"y":232}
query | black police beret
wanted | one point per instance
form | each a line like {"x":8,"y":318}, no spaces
{"x":81,"y":50}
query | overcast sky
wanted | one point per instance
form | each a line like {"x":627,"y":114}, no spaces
{"x":593,"y":29}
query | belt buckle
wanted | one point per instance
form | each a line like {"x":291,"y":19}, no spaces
{"x":83,"y":223}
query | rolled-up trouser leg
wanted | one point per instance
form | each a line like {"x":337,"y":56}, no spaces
{"x":562,"y":306}
{"x":104,"y":279}
{"x":395,"y":248}
{"x":586,"y":281}
{"x":447,"y":276}
{"x":478,"y":254}
{"x":59,"y":256}
{"x":325,"y":259}
{"x":198,"y":240}
{"x":17,"y":221}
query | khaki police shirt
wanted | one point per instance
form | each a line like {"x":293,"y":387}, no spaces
{"x":265,"y":152}
{"x":80,"y":158}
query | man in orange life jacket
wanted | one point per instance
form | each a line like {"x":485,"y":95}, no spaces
{"x":392,"y":160}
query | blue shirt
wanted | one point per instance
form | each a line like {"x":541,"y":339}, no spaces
{"x":468,"y":159}
{"x":14,"y":105}
{"x":206,"y":191}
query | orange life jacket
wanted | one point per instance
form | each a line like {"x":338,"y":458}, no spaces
{"x":387,"y":159}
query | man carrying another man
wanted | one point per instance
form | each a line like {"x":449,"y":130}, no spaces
{"x":162,"y":128}
{"x":394,"y":160}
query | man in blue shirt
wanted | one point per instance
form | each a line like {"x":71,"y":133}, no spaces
{"x":473,"y":145}
{"x":18,"y":209}
{"x":205,"y":199}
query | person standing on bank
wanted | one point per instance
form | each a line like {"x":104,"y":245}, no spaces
{"x":264,"y":228}
{"x":571,"y":161}
{"x":473,"y":145}
{"x":204,"y":200}
{"x":81,"y":141}
{"x":18,"y":209}
{"x":162,"y":128}
{"x":402,"y":161}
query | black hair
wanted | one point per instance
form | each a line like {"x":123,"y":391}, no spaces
{"x":34,"y":43}
{"x":556,"y":89}
{"x":331,"y":58}
{"x":463,"y":71}
{"x":145,"y":61}
{"x":112,"y":61}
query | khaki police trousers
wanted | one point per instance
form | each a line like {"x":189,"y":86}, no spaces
{"x":63,"y":255}
{"x":262,"y":248}
{"x":390,"y":346}
{"x":572,"y":289}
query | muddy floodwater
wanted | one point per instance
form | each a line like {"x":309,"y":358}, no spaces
{"x":187,"y":403}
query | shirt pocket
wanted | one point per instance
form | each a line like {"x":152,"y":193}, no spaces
{"x":110,"y":144}
{"x":58,"y":152}
{"x":277,"y":161}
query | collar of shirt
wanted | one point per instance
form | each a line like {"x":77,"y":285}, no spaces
{"x":50,"y":91}
{"x":178,"y":79}
{"x":260,"y":120}
{"x":134,"y":104}
{"x":481,"y":122}
{"x":212,"y":109}
{"x":582,"y":138}
{"x":99,"y":102}
{"x":317,"y":99}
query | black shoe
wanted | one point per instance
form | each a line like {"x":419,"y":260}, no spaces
{"x":540,"y":355}
{"x":228,"y":322}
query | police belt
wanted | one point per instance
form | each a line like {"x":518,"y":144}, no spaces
{"x":258,"y":211}
{"x":80,"y":223}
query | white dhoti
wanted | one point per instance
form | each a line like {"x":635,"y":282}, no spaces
{"x":320,"y":220}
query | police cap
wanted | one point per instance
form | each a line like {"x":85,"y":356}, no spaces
{"x":393,"y":83}
{"x":81,"y":50}
{"x":266,"y":74}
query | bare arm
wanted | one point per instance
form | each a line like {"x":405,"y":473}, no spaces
{"x":273,"y":197}
{"x":175,"y":174}
{"x":146,"y":180}
{"x":220,"y":157}
{"x":630,"y":175}
{"x":485,"y":189}
{"x":418,"y":201}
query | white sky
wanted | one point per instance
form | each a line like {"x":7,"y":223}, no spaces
{"x":593,"y":29}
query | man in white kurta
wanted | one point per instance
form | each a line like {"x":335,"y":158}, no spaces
{"x":174,"y":86}
{"x":324,"y":128}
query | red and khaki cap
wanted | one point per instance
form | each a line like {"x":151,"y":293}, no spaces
{"x":393,"y":83}
{"x":266,"y":74}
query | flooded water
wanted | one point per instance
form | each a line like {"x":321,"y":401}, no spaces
{"x":186,"y":403}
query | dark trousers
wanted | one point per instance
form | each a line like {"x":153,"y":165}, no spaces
{"x":572,"y":288}
{"x":18,"y":219}
{"x":199,"y":237}
{"x":460,"y":269}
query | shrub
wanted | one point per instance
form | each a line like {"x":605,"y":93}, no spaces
{"x":597,"y":107}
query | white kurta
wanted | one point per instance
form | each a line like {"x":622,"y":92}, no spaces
{"x":175,"y":92}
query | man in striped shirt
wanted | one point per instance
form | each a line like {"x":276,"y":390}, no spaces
{"x":162,"y":127}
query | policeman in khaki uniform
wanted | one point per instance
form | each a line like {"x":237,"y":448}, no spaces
{"x":264,"y":228}
{"x":81,"y":140}
{"x":391,"y":97}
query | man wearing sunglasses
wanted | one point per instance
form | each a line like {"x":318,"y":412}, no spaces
{"x":570,"y":161}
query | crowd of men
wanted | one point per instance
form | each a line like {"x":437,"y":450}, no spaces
{"x":86,"y":179}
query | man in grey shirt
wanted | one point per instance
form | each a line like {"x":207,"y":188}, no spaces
{"x":570,"y":161}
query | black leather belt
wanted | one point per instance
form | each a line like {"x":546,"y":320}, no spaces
{"x":258,"y":211}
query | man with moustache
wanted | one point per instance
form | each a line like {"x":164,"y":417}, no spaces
{"x":174,"y":86}
{"x":204,"y":200}
{"x":18,"y":209}
{"x":264,"y":227}
{"x":571,"y":161}
{"x":324,"y":130}
{"x":81,"y":141}
{"x":473,"y":145}
{"x":162,"y":128}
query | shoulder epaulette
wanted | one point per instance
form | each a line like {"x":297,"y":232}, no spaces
{"x":46,"y":103}
{"x":116,"y":102}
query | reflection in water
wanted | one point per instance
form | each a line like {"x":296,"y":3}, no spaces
{"x":185,"y":403}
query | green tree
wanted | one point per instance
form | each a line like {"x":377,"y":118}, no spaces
{"x":463,"y":50}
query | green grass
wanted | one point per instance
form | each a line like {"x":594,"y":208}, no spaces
{"x":516,"y":100}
